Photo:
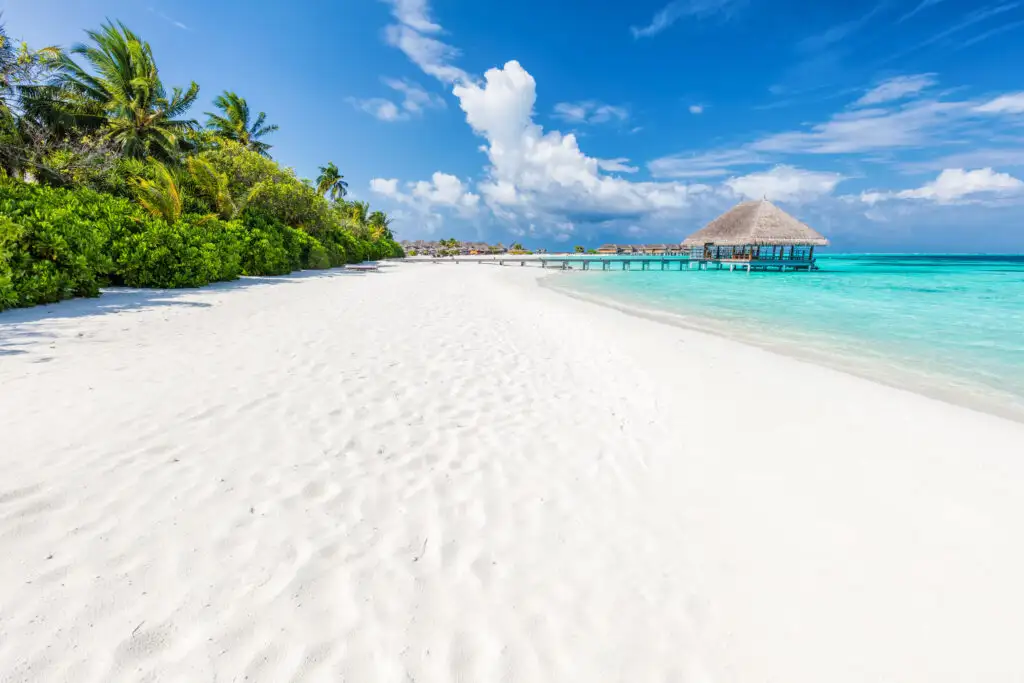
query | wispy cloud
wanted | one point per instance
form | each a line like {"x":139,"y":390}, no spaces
{"x":590,"y":111}
{"x":413,"y":35}
{"x":823,"y":58}
{"x":1011,"y":156}
{"x":897,"y":88}
{"x":379,"y":108}
{"x":415,"y":100}
{"x":681,"y":9}
{"x":870,"y":129}
{"x":619,"y":165}
{"x":879,"y":123}
{"x":923,"y":5}
{"x":1012,"y":103}
{"x":970,"y":19}
{"x":839,"y":32}
{"x":169,"y":20}
{"x":415,"y":14}
{"x":696,"y":108}
{"x":705,"y":165}
{"x":990,"y":33}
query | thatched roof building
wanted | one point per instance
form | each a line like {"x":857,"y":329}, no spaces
{"x":757,"y":223}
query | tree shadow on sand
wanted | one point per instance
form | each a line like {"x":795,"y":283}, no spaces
{"x":18,"y":327}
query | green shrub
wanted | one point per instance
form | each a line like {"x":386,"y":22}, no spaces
{"x":340,"y":245}
{"x":9,"y":233}
{"x":269,"y":247}
{"x":57,"y":243}
{"x":54,"y":243}
{"x":268,"y":188}
{"x":194,"y":251}
{"x":314,"y":254}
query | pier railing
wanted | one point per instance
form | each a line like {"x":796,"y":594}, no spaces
{"x":642,"y":263}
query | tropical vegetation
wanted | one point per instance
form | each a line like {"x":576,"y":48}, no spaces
{"x":234,"y":123}
{"x":331,"y":182}
{"x":106,"y":179}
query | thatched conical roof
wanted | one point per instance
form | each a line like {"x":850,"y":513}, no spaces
{"x":756,"y":223}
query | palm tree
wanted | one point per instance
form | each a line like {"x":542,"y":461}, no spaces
{"x":380,"y":225}
{"x":161,"y":196}
{"x":234,"y":124}
{"x":579,"y":249}
{"x":213,"y":186}
{"x":358,"y":212}
{"x":20,"y":137}
{"x":120,"y":96}
{"x":331,"y":182}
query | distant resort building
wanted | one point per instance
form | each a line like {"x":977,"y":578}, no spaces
{"x":642,"y":249}
{"x":424,"y":248}
{"x":756,"y":232}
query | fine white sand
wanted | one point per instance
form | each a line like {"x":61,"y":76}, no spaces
{"x":448,"y":473}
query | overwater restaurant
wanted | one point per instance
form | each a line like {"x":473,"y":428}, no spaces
{"x":756,"y":231}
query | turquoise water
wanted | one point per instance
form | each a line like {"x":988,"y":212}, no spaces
{"x":951,"y":326}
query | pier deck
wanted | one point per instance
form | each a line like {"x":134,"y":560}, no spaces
{"x":639,"y":263}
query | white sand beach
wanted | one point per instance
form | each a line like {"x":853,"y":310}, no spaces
{"x":449,"y":473}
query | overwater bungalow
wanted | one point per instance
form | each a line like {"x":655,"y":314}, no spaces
{"x":757,"y":234}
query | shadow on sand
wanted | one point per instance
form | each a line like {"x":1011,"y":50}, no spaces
{"x":17,"y":329}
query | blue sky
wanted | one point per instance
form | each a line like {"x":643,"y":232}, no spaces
{"x":892,"y":125}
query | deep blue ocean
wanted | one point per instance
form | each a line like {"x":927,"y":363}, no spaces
{"x":950,"y":326}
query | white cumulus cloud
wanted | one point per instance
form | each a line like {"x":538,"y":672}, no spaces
{"x":426,"y":202}
{"x":785,"y":184}
{"x":387,"y":187}
{"x":446,"y":190}
{"x":442,"y":189}
{"x":547,"y":172}
{"x":954,"y":185}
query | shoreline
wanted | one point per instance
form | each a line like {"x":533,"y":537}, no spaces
{"x":944,"y":387}
{"x":448,"y":474}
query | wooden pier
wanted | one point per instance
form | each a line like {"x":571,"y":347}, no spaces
{"x":642,"y":263}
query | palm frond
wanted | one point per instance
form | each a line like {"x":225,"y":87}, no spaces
{"x":160,"y":196}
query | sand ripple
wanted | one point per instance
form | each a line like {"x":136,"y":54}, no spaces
{"x":429,"y":476}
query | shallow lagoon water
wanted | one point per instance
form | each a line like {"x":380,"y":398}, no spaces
{"x":951,"y":326}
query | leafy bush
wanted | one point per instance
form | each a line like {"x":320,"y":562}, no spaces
{"x":54,"y":243}
{"x":9,"y":232}
{"x":191,"y":252}
{"x":264,"y":186}
{"x":269,"y":246}
{"x":314,"y":254}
